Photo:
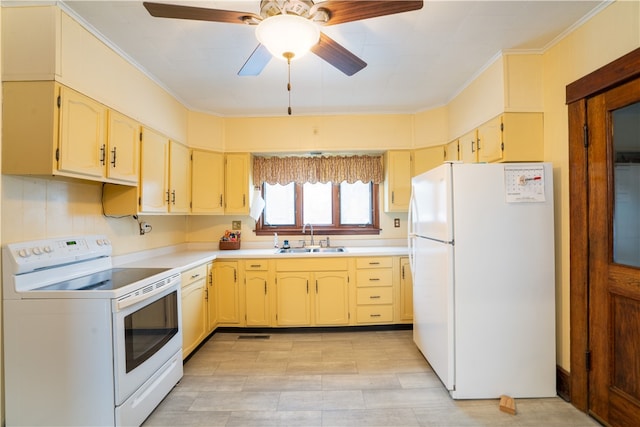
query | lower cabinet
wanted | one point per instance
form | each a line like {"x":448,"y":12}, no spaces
{"x":227,"y":292}
{"x":256,"y":282}
{"x":212,"y":301}
{"x":312,"y":292}
{"x":374,"y":283}
{"x":194,"y":308}
{"x":406,"y":290}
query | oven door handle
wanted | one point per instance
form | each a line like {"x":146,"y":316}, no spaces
{"x":147,"y":292}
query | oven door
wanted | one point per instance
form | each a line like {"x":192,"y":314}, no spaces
{"x":146,"y":335}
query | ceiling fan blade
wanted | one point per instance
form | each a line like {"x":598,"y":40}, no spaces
{"x":256,"y":62}
{"x":162,"y":10}
{"x":341,"y":11}
{"x":336,"y":55}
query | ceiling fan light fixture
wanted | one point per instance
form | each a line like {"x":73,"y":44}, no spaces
{"x":290,"y":34}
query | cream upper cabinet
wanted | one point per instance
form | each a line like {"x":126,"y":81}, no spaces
{"x":237,"y":169}
{"x":451,"y":151}
{"x":406,"y":290}
{"x":425,"y":159}
{"x":82,"y":149}
{"x":123,"y":142}
{"x":468,"y":144}
{"x":154,"y":172}
{"x":50,"y":129}
{"x":331,"y":298}
{"x":490,"y":141}
{"x":522,"y":137}
{"x":227,"y":292}
{"x":397,"y":182}
{"x":207,"y":182}
{"x":179,"y":178}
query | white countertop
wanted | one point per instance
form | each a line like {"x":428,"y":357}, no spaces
{"x":184,"y":258}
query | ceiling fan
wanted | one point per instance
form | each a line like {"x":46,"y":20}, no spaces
{"x":323,"y":13}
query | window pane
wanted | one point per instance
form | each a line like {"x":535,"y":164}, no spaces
{"x":280,"y":204}
{"x":317,"y":204}
{"x":355,"y":203}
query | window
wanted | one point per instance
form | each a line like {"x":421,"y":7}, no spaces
{"x":331,"y":208}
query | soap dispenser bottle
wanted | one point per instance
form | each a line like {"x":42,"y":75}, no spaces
{"x":275,"y":240}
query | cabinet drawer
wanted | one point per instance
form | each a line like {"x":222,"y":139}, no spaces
{"x":374,"y":277}
{"x":375,"y":295}
{"x":256,"y":265}
{"x":311,"y":264}
{"x":375,"y":262}
{"x":194,"y":274}
{"x":375,"y":314}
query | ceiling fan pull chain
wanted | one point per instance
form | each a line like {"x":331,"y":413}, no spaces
{"x":289,"y":55}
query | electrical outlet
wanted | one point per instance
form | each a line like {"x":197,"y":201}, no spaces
{"x":236,"y":225}
{"x":396,"y":222}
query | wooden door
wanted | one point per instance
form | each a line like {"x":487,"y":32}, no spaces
{"x":154,"y":172}
{"x":123,"y":147}
{"x":257,"y":298}
{"x":179,"y":178}
{"x":613,"y":120}
{"x":293,"y":300}
{"x":227,"y":292}
{"x":207,"y":182}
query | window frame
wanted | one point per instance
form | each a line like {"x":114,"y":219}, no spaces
{"x":335,"y":228}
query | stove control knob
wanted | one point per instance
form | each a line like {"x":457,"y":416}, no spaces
{"x":37,"y":251}
{"x":48,"y":249}
{"x":99,"y":242}
{"x":23,"y":253}
{"x":106,"y":242}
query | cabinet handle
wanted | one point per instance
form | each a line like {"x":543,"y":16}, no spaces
{"x":103,"y":154}
{"x":473,"y":146}
{"x":211,"y":278}
{"x":234,"y":276}
{"x":113,"y":160}
{"x":307,"y":286}
{"x":256,"y":265}
{"x":393,"y":197}
{"x":265,"y":287}
{"x":375,"y":315}
{"x":316,"y":286}
{"x":478,"y":144}
{"x":374,"y":279}
{"x":403,"y":272}
{"x":167,"y":196}
{"x":173,"y":197}
{"x":220,"y":200}
{"x":374,"y":263}
{"x":193,"y":276}
{"x":374,"y":297}
{"x":244,"y":200}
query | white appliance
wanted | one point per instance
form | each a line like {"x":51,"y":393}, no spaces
{"x":481,"y":240}
{"x":86,"y":344}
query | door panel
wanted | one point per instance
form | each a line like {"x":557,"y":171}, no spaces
{"x":614,"y":255}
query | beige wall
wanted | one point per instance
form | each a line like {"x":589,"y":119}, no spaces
{"x":612,"y":33}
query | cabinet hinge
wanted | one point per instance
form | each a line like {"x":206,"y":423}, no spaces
{"x":206,"y":294}
{"x":587,"y":360}
{"x":140,"y":136}
{"x":190,"y":205}
{"x":585,"y":130}
{"x":501,"y":127}
{"x":57,"y":154}
{"x":59,"y":101}
{"x":139,"y":201}
{"x":502,"y":146}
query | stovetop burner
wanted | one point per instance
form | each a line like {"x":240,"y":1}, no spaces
{"x":106,"y":280}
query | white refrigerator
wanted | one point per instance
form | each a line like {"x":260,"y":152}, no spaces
{"x":481,"y":239}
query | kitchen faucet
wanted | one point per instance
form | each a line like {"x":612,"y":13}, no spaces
{"x":304,"y":228}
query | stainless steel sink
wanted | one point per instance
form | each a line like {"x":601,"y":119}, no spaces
{"x":336,"y":249}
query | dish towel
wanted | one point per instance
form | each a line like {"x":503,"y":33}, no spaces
{"x":257,"y":205}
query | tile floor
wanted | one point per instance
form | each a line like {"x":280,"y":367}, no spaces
{"x":363,"y":378}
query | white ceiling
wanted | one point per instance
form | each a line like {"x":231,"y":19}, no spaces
{"x":416,"y":60}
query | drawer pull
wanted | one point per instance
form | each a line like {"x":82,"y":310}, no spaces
{"x":374,"y":279}
{"x":193,"y":276}
{"x":374,"y":297}
{"x":374,"y":263}
{"x":375,"y":315}
{"x":256,"y":265}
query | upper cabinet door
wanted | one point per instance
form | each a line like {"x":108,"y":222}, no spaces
{"x":179,"y":178}
{"x":469,"y":147}
{"x":237,"y":183}
{"x":207,"y":182}
{"x":398,"y":181}
{"x":490,"y":146}
{"x":82,"y":148}
{"x":154,"y":172}
{"x":123,"y":148}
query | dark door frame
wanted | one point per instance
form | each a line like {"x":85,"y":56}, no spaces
{"x":620,"y":71}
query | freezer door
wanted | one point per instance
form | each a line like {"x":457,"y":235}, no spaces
{"x":431,"y":208}
{"x":433,"y":306}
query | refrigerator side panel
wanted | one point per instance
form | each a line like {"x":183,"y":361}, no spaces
{"x":504,"y":289}
{"x":433,"y":306}
{"x":431,"y":204}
